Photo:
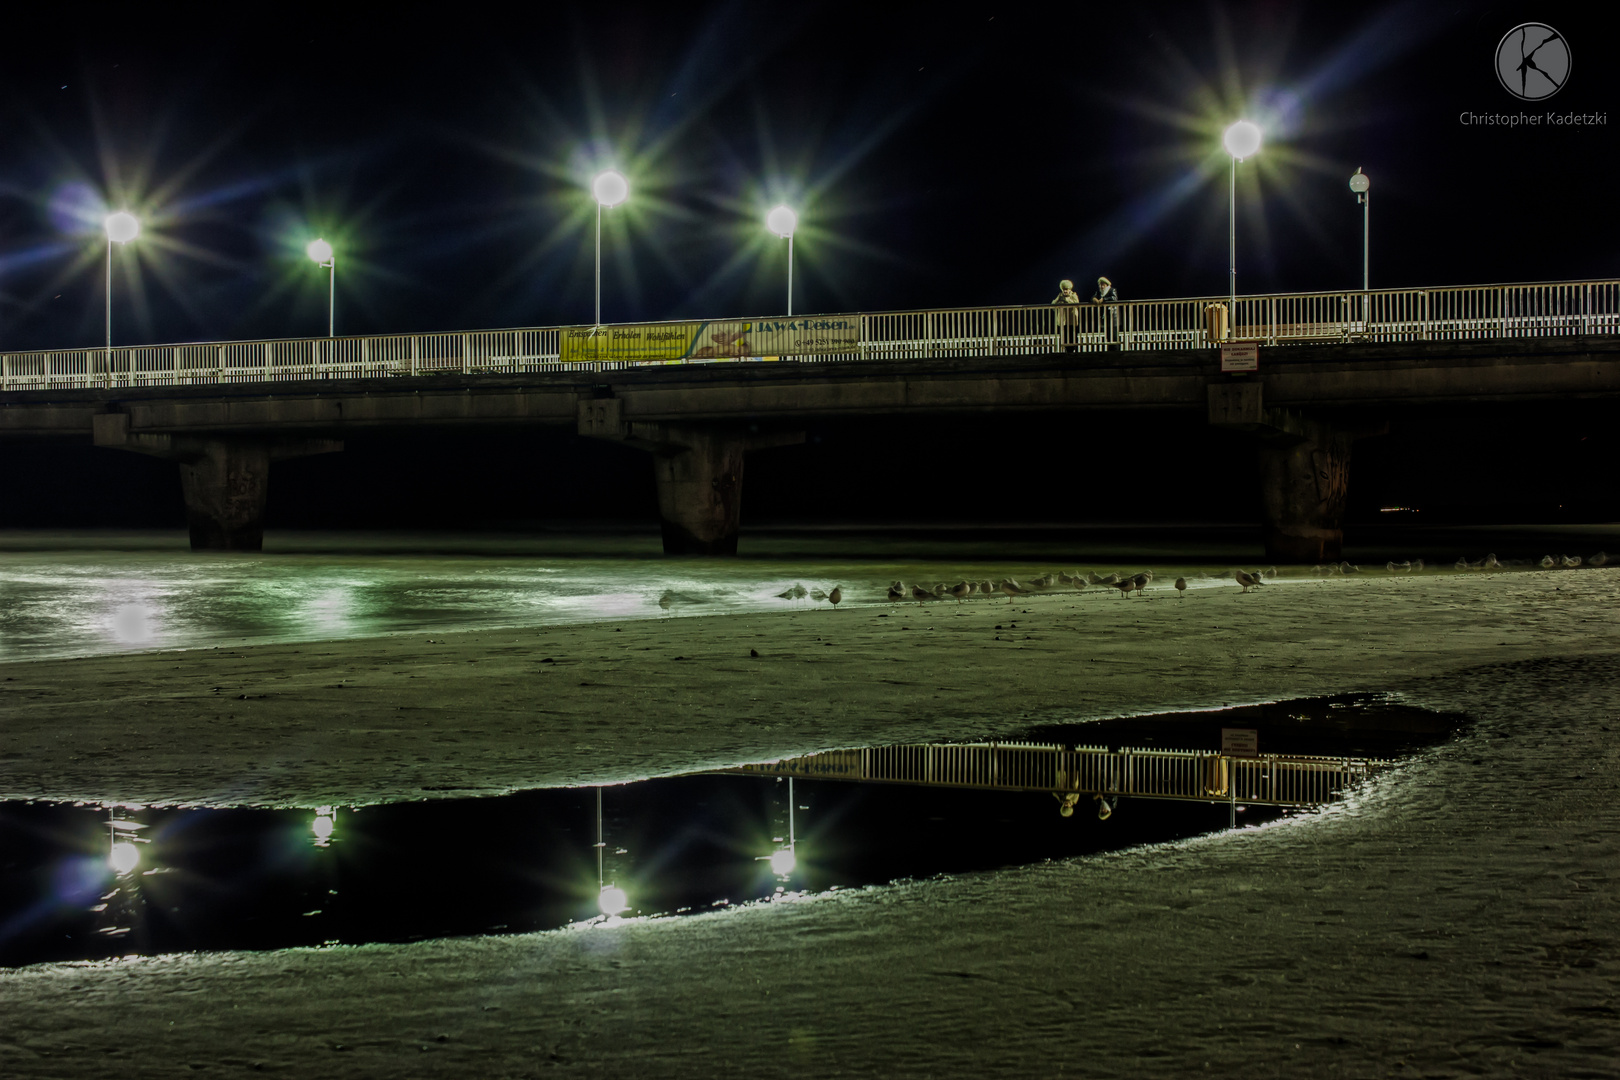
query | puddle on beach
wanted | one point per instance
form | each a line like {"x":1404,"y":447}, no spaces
{"x":80,"y":882}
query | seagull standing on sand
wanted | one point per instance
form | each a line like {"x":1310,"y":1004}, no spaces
{"x":1181,"y":588}
{"x":836,"y":597}
{"x":1125,"y":587}
{"x":897,"y":590}
{"x":919,"y":594}
{"x":1141,"y":581}
{"x":961,"y":589}
{"x":1012,"y":589}
{"x":1247,"y":580}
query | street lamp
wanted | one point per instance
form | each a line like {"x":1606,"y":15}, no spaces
{"x":321,"y":254}
{"x":783,"y":221}
{"x":121,"y":227}
{"x":1361,"y":184}
{"x":1241,"y":140}
{"x":610,"y":189}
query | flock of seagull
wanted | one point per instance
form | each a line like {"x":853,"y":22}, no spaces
{"x":1011,"y":588}
{"x":1127,"y":584}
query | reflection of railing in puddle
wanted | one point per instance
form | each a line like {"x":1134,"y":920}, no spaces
{"x":1203,"y":776}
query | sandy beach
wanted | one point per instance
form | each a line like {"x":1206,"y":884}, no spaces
{"x":1457,"y":917}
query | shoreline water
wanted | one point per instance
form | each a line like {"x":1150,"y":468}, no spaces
{"x":377,"y":719}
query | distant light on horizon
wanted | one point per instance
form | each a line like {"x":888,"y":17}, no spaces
{"x":610,"y":188}
{"x":782,"y":221}
{"x":122,"y":227}
{"x":1242,"y":139}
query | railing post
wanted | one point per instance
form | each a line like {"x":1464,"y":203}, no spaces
{"x":1231,"y":792}
{"x":415,"y":359}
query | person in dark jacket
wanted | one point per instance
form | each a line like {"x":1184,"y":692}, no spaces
{"x":1107,"y":294}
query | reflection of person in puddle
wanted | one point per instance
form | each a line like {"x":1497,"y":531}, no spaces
{"x":1066,"y":802}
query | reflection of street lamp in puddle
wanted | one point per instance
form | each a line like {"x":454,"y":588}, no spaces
{"x":785,"y":860}
{"x":323,"y":825}
{"x":610,"y":899}
{"x":123,"y":856}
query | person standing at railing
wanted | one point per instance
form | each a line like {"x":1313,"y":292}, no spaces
{"x":1107,"y":294}
{"x":1067,"y":303}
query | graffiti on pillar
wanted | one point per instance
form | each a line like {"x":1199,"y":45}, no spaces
{"x":1332,"y":470}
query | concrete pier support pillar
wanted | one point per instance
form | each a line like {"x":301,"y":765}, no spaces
{"x":225,"y":479}
{"x":1304,"y":470}
{"x":1303,"y":491}
{"x":698,"y":469}
{"x":700,"y":492}
{"x":225,"y":487}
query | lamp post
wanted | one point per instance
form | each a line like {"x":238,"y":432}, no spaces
{"x":122,"y":227}
{"x":783,"y":221}
{"x":321,"y":254}
{"x":1361,"y":184}
{"x":1241,"y":140}
{"x":610,"y":189}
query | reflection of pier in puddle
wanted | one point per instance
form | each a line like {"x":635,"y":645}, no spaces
{"x":1070,"y":772}
{"x":85,"y":882}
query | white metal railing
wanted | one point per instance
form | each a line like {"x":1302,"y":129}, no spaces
{"x":1452,"y":313}
{"x":1202,"y":776}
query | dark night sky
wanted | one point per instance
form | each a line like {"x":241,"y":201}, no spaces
{"x":939,"y":156}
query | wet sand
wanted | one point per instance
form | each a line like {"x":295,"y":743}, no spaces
{"x":1458,"y":918}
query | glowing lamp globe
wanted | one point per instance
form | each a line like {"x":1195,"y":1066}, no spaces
{"x":610,"y":188}
{"x":782,"y":221}
{"x":123,"y":858}
{"x":122,"y":227}
{"x":1360,"y":183}
{"x":783,"y":862}
{"x":321,"y":827}
{"x":612,"y":900}
{"x":1242,"y":140}
{"x":319,"y":251}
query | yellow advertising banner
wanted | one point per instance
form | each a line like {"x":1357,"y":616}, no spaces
{"x":732,"y":339}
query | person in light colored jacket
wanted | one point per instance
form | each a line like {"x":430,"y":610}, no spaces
{"x":1067,"y":303}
